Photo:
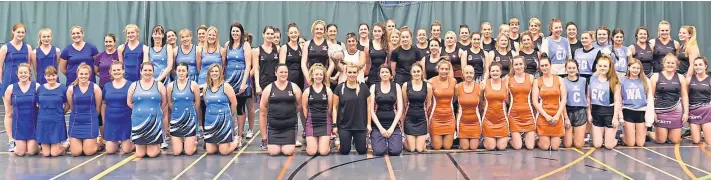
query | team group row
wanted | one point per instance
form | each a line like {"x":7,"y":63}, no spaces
{"x":429,"y":96}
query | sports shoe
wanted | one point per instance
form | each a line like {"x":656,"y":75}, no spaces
{"x":263,"y":145}
{"x":11,"y":146}
{"x":65,"y":144}
{"x":250,"y":134}
{"x":687,"y":133}
{"x":164,"y":145}
{"x":298,"y":144}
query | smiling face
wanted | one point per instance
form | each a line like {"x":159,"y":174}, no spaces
{"x":434,"y":47}
{"x":395,"y":39}
{"x":390,"y":25}
{"x":586,"y":39}
{"x":618,"y":38}
{"x":421,"y":36}
{"x":557,"y":29}
{"x":293,"y":34}
{"x":436,"y":31}
{"x":171,"y":37}
{"x":495,"y":72}
{"x":464,"y":33}
{"x":603,"y":66}
{"x":468,"y":73}
{"x":268,"y":35}
{"x":664,"y":31}
{"x":635,"y":69}
{"x":476,"y":39}
{"x":117,"y":71}
{"x":277,"y":38}
{"x":352,"y":73}
{"x":236,"y":33}
{"x":684,"y":34}
{"x":670,"y":63}
{"x":518,"y":65}
{"x":450,"y":39}
{"x":157,"y":36}
{"x":19,"y":33}
{"x":700,"y":66}
{"x":377,"y":32}
{"x":572,"y":31}
{"x":405,"y":38}
{"x":23,"y":73}
{"x":642,"y":35}
{"x":215,"y":73}
{"x":602,"y":36}
{"x":131,"y":34}
{"x":186,"y":38}
{"x":545,"y":66}
{"x":318,"y":30}
{"x":571,"y":68}
{"x":416,"y":72}
{"x":51,"y":78}
{"x":212,"y":36}
{"x":526,"y":41}
{"x":77,"y":35}
{"x":46,"y":38}
{"x":83,"y":75}
{"x":534,"y":28}
{"x":385,"y":74}
{"x":486,"y":30}
{"x":363,"y":31}
{"x":147,"y":72}
{"x":352,"y":43}
{"x":332,"y":32}
{"x":282,"y":73}
{"x":443,"y":69}
{"x":109,"y":42}
{"x":201,"y":35}
{"x":317,"y":76}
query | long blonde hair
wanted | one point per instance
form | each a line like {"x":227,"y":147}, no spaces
{"x":81,"y":66}
{"x":208,"y":81}
{"x":39,"y":35}
{"x":692,"y":39}
{"x":641,"y":75}
{"x":217,"y":38}
{"x":351,"y":65}
{"x":318,"y":66}
{"x":134,"y":27}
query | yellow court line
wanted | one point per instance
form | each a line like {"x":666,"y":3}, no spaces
{"x":76,"y":167}
{"x":114,"y":167}
{"x":655,"y":168}
{"x":189,"y":166}
{"x":705,"y":177}
{"x":703,"y":149}
{"x":677,"y":155}
{"x":605,"y":165}
{"x":678,"y":159}
{"x":567,"y":165}
{"x":235,"y":158}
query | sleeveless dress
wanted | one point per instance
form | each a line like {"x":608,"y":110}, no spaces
{"x":667,"y":102}
{"x":132,"y":59}
{"x":146,"y":117}
{"x":660,"y":50}
{"x":13,"y":58}
{"x":293,"y":61}
{"x":415,"y":119}
{"x":520,"y":110}
{"x":645,"y":56}
{"x":318,"y":120}
{"x":700,"y":100}
{"x":207,"y":59}
{"x":442,"y":120}
{"x":218,"y":118}
{"x":24,"y":112}
{"x":531,"y":62}
{"x":117,"y":125}
{"x":234,"y":71}
{"x":267,"y":66}
{"x":469,"y":124}
{"x":385,"y":106}
{"x":377,"y":59}
{"x":683,"y":61}
{"x":183,"y":117}
{"x":495,"y":121}
{"x":84,"y":117}
{"x":51,"y":124}
{"x":430,"y":67}
{"x":476,"y":60}
{"x":43,"y":61}
{"x":550,"y":100}
{"x":160,"y":63}
{"x":190,"y":59}
{"x":318,"y":54}
{"x":281,"y":116}
{"x":506,"y":61}
{"x":456,"y":62}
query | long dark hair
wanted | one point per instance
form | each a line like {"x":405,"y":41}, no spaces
{"x":241,"y":37}
{"x":162,"y":31}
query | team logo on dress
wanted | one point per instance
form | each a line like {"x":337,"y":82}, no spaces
{"x":470,"y":57}
{"x":290,"y":93}
{"x":497,"y":59}
{"x":324,"y":97}
{"x":324,"y":48}
{"x":276,"y":56}
{"x":261,"y":58}
{"x":272,"y":95}
{"x":288,"y":54}
{"x":576,"y":88}
{"x":311,"y":97}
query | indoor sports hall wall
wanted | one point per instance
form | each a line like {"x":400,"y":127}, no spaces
{"x":99,"y":18}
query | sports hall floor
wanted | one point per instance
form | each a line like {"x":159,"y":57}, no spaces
{"x":685,"y":161}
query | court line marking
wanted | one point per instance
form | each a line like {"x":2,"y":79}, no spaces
{"x":189,"y":166}
{"x":293,"y":174}
{"x":77,"y":166}
{"x":605,"y":165}
{"x":464,"y":175}
{"x":390,"y":167}
{"x":114,"y":167}
{"x":677,"y":155}
{"x":286,"y":165}
{"x":567,"y":165}
{"x":235,"y":157}
{"x":703,"y":149}
{"x":678,"y":159}
{"x":705,"y":177}
{"x":655,"y":168}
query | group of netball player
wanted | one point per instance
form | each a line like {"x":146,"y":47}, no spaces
{"x":379,"y":89}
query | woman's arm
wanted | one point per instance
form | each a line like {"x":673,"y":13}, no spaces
{"x":563,"y":99}
{"x":372,"y":112}
{"x":304,"y":61}
{"x":7,"y":101}
{"x":684,"y":99}
{"x":129,"y":100}
{"x":263,"y":109}
{"x":399,"y":111}
{"x":197,"y":103}
{"x":255,"y":63}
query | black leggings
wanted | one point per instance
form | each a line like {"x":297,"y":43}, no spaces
{"x":241,"y":105}
{"x":352,"y":136}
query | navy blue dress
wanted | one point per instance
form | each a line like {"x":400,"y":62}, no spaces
{"x":24,"y":112}
{"x":84,"y":118}
{"x":132,"y":59}
{"x":51,"y":127}
{"x":45,"y":60}
{"x":147,"y":117}
{"x":183,"y":117}
{"x":13,"y":57}
{"x":117,"y":125}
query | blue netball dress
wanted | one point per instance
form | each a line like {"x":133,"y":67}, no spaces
{"x":13,"y":58}
{"x":218,"y":118}
{"x":132,"y":59}
{"x":183,"y":118}
{"x":234,"y":70}
{"x":117,"y":125}
{"x":160,"y":63}
{"x":146,"y":117}
{"x":207,"y":60}
{"x":43,"y":61}
{"x":84,"y":118}
{"x":51,"y":127}
{"x":189,"y":59}
{"x":24,"y":112}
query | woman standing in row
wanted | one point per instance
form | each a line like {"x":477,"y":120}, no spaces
{"x":104,"y":61}
{"x":317,"y":103}
{"x":476,"y":56}
{"x":520,"y":112}
{"x":188,"y":53}
{"x":51,"y":126}
{"x":184,"y":106}
{"x":503,"y":54}
{"x":571,"y":30}
{"x":211,"y":54}
{"x":85,"y":99}
{"x":432,"y":59}
{"x":352,"y":55}
{"x":161,"y":55}
{"x":351,"y":119}
{"x":641,"y":50}
{"x":12,"y":54}
{"x":417,"y":95}
{"x":452,"y":50}
{"x":220,"y":105}
{"x":689,"y":50}
{"x":279,"y":111}
{"x":534,"y":27}
{"x":588,"y":55}
{"x":147,"y":98}
{"x":487,"y":42}
{"x":377,"y":52}
{"x":468,"y":118}
{"x":663,"y":45}
{"x":387,"y":138}
{"x":530,"y":55}
{"x":549,"y":97}
{"x":557,"y":46}
{"x":238,"y":61}
{"x":464,"y":40}
{"x":620,"y":54}
{"x":116,"y":113}
{"x":403,"y":57}
{"x":363,"y":36}
{"x":316,"y":51}
{"x":45,"y":55}
{"x":75,"y":54}
{"x":133,"y":53}
{"x":422,"y":41}
{"x":265,"y":59}
{"x":290,"y":54}
{"x":21,"y":111}
{"x":442,"y":120}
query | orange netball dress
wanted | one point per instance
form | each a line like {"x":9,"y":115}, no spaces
{"x":469,"y":126}
{"x":442,"y":117}
{"x":550,"y":99}
{"x":521,"y":110}
{"x":495,"y":122}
